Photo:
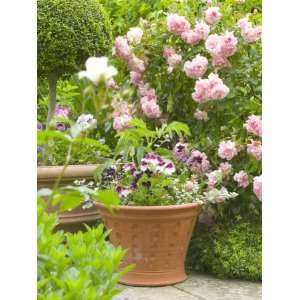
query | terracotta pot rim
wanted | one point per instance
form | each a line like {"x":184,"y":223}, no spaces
{"x":152,"y":208}
{"x":72,"y":171}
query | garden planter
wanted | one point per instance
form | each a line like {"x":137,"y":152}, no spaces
{"x":74,"y":219}
{"x":157,"y":239}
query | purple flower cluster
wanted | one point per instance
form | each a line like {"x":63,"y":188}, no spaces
{"x":156,"y":164}
{"x":151,"y":164}
{"x":62,"y":111}
{"x":197,"y":161}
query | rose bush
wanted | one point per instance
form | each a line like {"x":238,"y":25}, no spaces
{"x":201,"y":64}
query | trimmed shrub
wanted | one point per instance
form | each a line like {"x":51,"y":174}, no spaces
{"x":228,"y":251}
{"x":69,"y":31}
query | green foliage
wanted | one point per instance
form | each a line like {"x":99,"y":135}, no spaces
{"x":76,"y":266}
{"x":69,"y":31}
{"x":138,"y":140}
{"x":228,"y":250}
{"x":54,"y":148}
{"x":126,"y":13}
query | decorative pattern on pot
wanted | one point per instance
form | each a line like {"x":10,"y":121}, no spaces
{"x":157,"y":238}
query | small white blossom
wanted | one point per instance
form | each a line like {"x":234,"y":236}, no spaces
{"x":134,"y":35}
{"x":97,"y":69}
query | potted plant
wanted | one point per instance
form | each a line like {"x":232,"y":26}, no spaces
{"x":161,"y":197}
{"x":66,"y":140}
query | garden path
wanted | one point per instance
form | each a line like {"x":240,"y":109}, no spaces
{"x":196,"y":287}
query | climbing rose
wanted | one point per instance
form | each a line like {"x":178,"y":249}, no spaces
{"x":177,"y":24}
{"x":210,"y":89}
{"x":257,"y":186}
{"x":221,"y":47}
{"x":201,"y":115}
{"x":202,"y":29}
{"x":196,"y":67}
{"x":212,"y":15}
{"x":122,"y":49}
{"x":151,"y":109}
{"x":254,"y":125}
{"x":227,"y":150}
{"x":255,"y":149}
{"x":134,"y":35}
{"x":136,"y":64}
{"x":249,"y":33}
{"x":172,"y":57}
{"x":225,"y":168}
{"x":181,"y":151}
{"x":135,"y":78}
{"x":191,"y":37}
{"x":198,"y":162}
{"x":121,"y":122}
{"x":241,"y":178}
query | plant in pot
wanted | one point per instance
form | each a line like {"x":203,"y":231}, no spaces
{"x":162,"y":192}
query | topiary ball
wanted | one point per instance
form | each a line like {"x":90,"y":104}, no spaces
{"x":69,"y":31}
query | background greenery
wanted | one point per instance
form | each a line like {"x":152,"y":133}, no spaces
{"x":232,"y":246}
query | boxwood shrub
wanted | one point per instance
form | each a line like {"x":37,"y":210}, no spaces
{"x":228,"y":250}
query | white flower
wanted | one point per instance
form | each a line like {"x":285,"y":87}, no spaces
{"x":134,"y":35}
{"x":83,"y":123}
{"x":97,"y":69}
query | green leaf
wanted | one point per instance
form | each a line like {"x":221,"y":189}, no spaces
{"x":107,"y":197}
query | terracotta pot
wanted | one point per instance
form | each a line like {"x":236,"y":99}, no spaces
{"x":157,"y":239}
{"x":72,"y":220}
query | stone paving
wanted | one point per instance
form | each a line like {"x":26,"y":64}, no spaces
{"x":196,"y":287}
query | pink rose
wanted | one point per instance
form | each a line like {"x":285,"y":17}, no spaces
{"x":135,"y":78}
{"x":212,"y":15}
{"x":121,"y":122}
{"x":201,"y":115}
{"x":210,"y":89}
{"x":177,"y":24}
{"x":213,"y":45}
{"x":227,"y":150}
{"x":202,"y":29}
{"x":220,"y":61}
{"x":241,"y":178}
{"x":254,"y":125}
{"x":257,"y":186}
{"x":136,"y":64}
{"x":225,"y":168}
{"x":196,"y":67}
{"x":255,"y":149}
{"x":151,"y":109}
{"x":202,"y":91}
{"x":122,"y":49}
{"x":191,"y":37}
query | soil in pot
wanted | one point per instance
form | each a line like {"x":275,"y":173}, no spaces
{"x":157,"y":239}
